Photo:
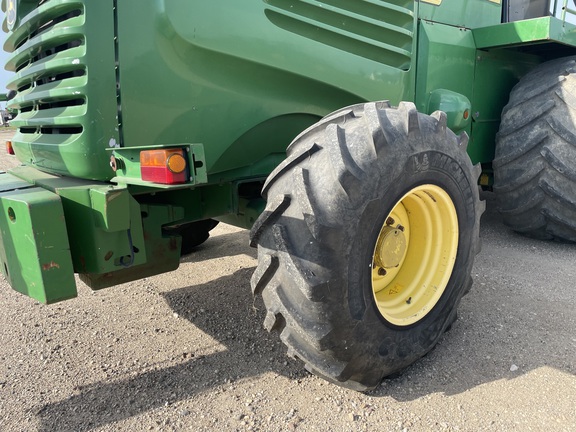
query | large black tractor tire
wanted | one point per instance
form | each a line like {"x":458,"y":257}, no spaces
{"x":367,"y":242}
{"x":535,"y":162}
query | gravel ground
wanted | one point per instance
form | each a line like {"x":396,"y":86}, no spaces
{"x":186,"y":351}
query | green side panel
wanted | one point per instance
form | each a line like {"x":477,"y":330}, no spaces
{"x":528,"y":32}
{"x":62,"y":53}
{"x":34,"y":251}
{"x":463,"y":13}
{"x":110,"y":207}
{"x":244,"y":77}
{"x":95,"y":247}
{"x":162,"y":251}
{"x":247,"y":213}
{"x":205,"y":202}
{"x":506,"y":52}
{"x":445,"y":61}
{"x":497,"y":71}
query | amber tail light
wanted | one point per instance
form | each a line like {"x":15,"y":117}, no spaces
{"x":167,"y":166}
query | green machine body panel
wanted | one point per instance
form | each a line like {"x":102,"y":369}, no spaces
{"x":446,"y":62}
{"x":230,"y":83}
{"x":537,"y":32}
{"x":459,"y":13}
{"x":505,"y":53}
{"x":244,"y":77}
{"x":34,"y":252}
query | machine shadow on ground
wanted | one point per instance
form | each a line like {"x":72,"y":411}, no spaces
{"x":501,"y":324}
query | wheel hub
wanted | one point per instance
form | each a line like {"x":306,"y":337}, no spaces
{"x":391,"y":248}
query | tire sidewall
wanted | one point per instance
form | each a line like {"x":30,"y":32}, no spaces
{"x":425,"y":167}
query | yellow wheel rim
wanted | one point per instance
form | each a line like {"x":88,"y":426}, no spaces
{"x":414,"y":255}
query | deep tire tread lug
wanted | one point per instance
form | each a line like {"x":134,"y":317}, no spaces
{"x":513,"y":182}
{"x":539,"y":89}
{"x":463,"y":140}
{"x":442,"y":121}
{"x":558,"y":193}
{"x":516,"y":146}
{"x":274,"y":209}
{"x":567,"y":135}
{"x":267,"y":266}
{"x":338,"y":136}
{"x":304,"y":199}
{"x":302,"y":277}
{"x":557,"y":160}
{"x":412,"y":123}
{"x":346,"y":169}
{"x":294,"y":159}
{"x":520,"y":120}
{"x":274,"y":322}
{"x":477,"y":171}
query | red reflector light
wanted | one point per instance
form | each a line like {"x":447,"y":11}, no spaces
{"x":167,"y":166}
{"x":9,"y":147}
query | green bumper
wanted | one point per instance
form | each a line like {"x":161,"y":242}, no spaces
{"x":34,"y":249}
{"x":52,"y":227}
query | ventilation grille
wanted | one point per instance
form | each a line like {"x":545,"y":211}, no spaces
{"x":48,"y":49}
{"x":379,"y":30}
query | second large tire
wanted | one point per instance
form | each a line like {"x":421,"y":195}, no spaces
{"x":367,"y":241}
{"x":535,"y":162}
{"x":194,"y":234}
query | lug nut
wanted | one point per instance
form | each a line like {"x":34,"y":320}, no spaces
{"x":390,"y":221}
{"x":381,"y":272}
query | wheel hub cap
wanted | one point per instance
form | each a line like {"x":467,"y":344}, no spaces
{"x":391,"y":248}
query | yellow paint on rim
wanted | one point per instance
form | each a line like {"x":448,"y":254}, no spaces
{"x":410,"y":274}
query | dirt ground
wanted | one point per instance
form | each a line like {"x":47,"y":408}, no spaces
{"x":186,"y":351}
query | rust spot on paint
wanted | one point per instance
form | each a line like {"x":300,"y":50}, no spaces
{"x":50,"y":266}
